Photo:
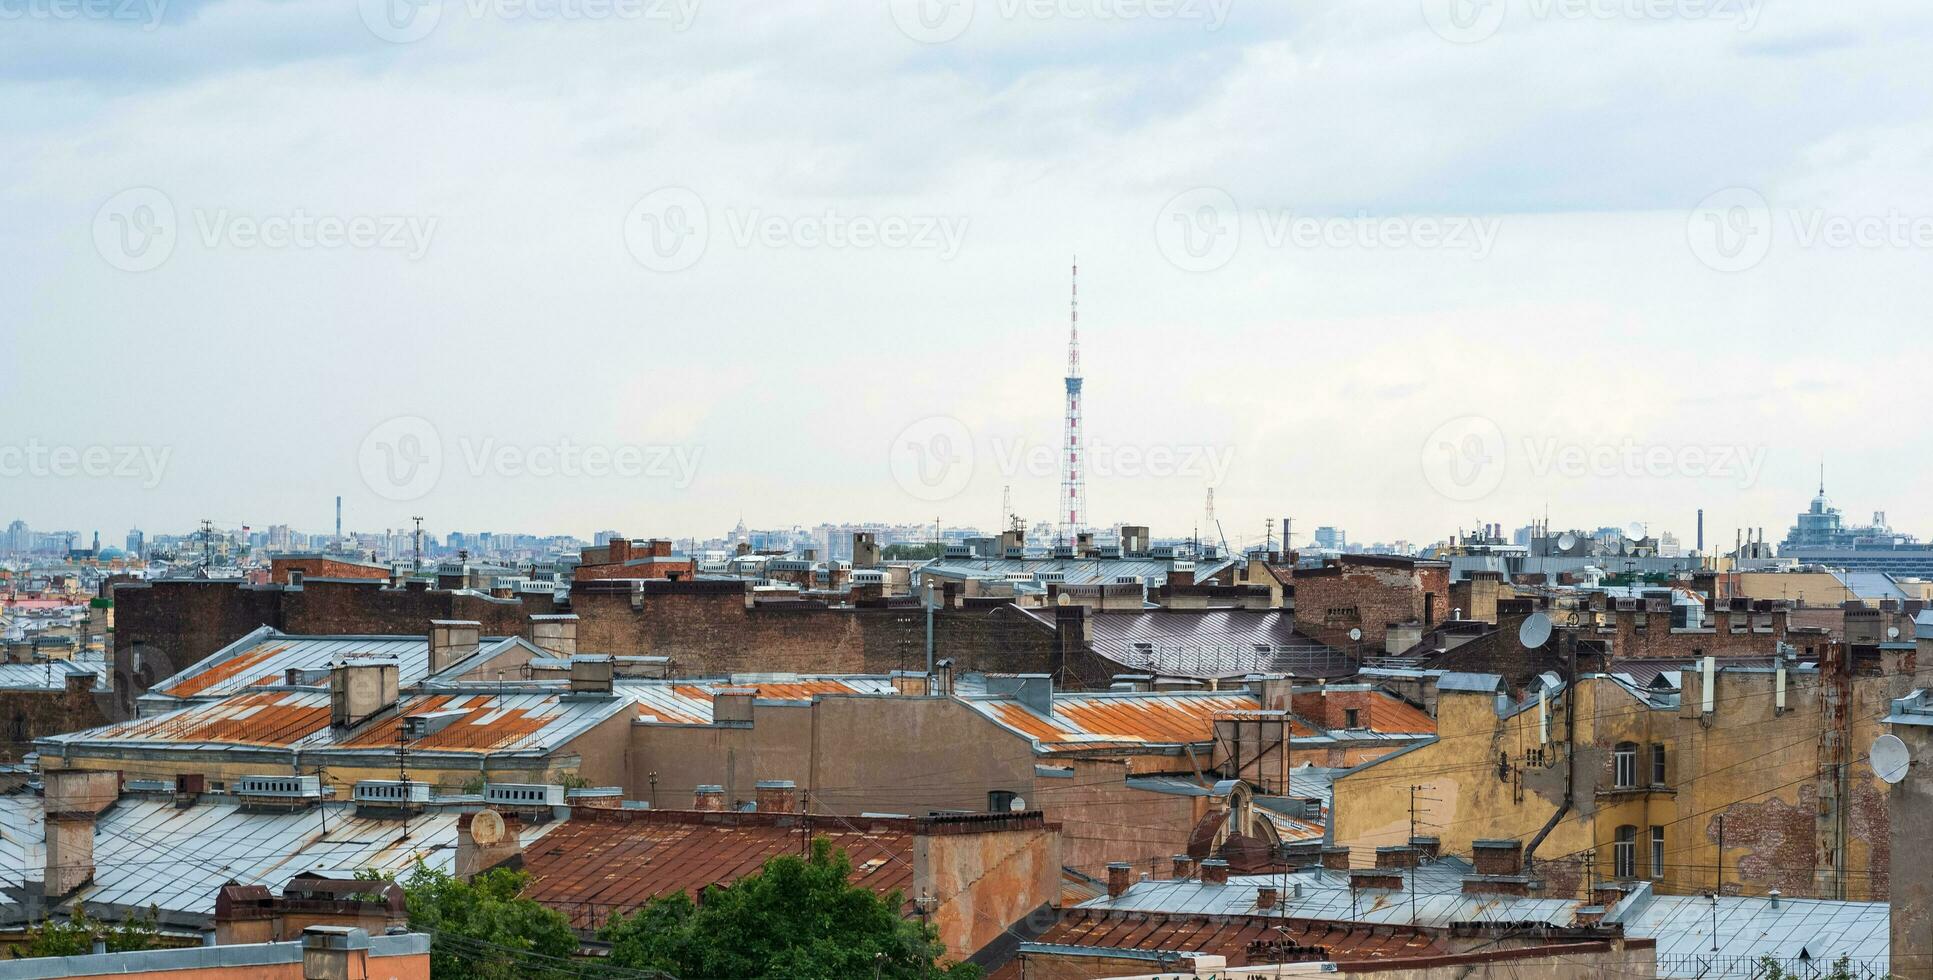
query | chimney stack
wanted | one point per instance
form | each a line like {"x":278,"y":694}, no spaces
{"x":451,"y":640}
{"x":1120,"y":875}
{"x":1335,"y":858}
{"x":70,"y":800}
{"x":709,"y":798}
{"x":1184,"y":867}
{"x":777,"y":796}
{"x":1497,"y":857}
{"x":1265,"y":897}
{"x":1214,"y":871}
{"x":554,"y":634}
{"x":591,"y":675}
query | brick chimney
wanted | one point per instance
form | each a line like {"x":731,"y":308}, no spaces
{"x":1426,"y":848}
{"x":1497,"y":857}
{"x":1120,"y":875}
{"x":618,"y":551}
{"x":452,"y":640}
{"x":777,"y":796}
{"x":1184,"y":867}
{"x":1376,"y":878}
{"x":1214,"y":871}
{"x":1395,"y":858}
{"x":709,"y":798}
{"x":1335,"y":858}
{"x":1265,"y":897}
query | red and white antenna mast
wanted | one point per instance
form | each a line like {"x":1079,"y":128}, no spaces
{"x":1073,"y":482}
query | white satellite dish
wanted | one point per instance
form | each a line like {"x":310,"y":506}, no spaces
{"x":1566,"y":541}
{"x":1892,"y":632}
{"x":1890,"y":758}
{"x":1018,"y":805}
{"x":1355,"y":634}
{"x":486,"y":828}
{"x":1634,"y":530}
{"x":1535,"y":632}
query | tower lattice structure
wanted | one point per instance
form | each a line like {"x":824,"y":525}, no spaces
{"x":1073,"y":481}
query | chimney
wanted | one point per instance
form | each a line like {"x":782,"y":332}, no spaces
{"x":1395,"y":858}
{"x":777,"y":796}
{"x":328,"y":953}
{"x":1384,"y":879}
{"x":618,"y":551}
{"x":554,"y":634}
{"x":484,"y":840}
{"x":591,"y":675}
{"x":1214,"y":871}
{"x":733,"y":705}
{"x":1120,"y":874}
{"x":709,"y":798}
{"x":71,"y":799}
{"x":1184,"y":867}
{"x":1335,"y":858}
{"x":1722,"y":621}
{"x":359,"y":690}
{"x":660,"y":547}
{"x":1426,"y":848}
{"x":1497,"y":857}
{"x":452,"y":640}
{"x":1265,"y":897}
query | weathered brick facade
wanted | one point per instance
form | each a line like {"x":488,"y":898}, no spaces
{"x":29,"y":715}
{"x":1368,"y":592}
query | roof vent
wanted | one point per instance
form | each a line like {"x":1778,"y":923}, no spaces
{"x":523,"y":795}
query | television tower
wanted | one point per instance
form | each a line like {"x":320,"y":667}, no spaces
{"x":1073,"y":486}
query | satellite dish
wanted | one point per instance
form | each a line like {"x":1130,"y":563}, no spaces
{"x":486,"y":827}
{"x":1892,"y":632}
{"x":1018,"y":805}
{"x":1535,"y":632}
{"x":1634,"y":531}
{"x":1355,"y":634}
{"x":1061,"y":599}
{"x":1566,"y":541}
{"x":1889,"y":758}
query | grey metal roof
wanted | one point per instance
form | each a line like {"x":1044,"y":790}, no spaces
{"x":1219,"y":643}
{"x":1078,"y":571}
{"x":1461,"y":681}
{"x":147,"y":852}
{"x":51,"y":675}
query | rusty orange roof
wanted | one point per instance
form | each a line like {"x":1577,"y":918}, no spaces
{"x":1232,"y":936}
{"x":690,"y":702}
{"x":1117,"y":719}
{"x":197,"y":683}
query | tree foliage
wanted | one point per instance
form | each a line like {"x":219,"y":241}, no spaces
{"x":795,"y":918}
{"x":77,"y":935}
{"x":485,"y":929}
{"x":920,"y":551}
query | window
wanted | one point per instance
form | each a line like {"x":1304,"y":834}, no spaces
{"x":1351,"y":718}
{"x":1000,"y":801}
{"x":1624,"y":853}
{"x":1657,"y":853}
{"x":1625,"y":765}
{"x":1658,"y":765}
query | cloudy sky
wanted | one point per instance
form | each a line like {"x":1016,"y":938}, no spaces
{"x":562,"y":265}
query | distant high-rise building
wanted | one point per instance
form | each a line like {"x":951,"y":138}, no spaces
{"x":137,"y":543}
{"x":602,"y":538}
{"x":20,"y":538}
{"x":1331,"y":538}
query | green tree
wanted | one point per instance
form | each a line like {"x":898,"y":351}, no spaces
{"x":76,"y":936}
{"x":1772,"y":969}
{"x":485,"y":929}
{"x":795,"y":918}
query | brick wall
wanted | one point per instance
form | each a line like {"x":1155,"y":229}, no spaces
{"x":1358,"y":592}
{"x":177,"y":623}
{"x":28,"y":715}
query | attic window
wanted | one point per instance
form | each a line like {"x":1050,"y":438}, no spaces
{"x":1351,"y":718}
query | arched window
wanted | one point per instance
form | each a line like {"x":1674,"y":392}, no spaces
{"x":1625,"y":765}
{"x":1624,"y":853}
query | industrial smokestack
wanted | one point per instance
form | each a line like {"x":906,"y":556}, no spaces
{"x":338,"y":517}
{"x":1701,"y":530}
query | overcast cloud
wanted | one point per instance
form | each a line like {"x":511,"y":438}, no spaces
{"x":656,"y":264}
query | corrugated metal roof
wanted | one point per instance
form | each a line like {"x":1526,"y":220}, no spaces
{"x":605,"y":862}
{"x":51,"y":675}
{"x":266,"y":659}
{"x":1081,"y":571}
{"x":492,"y":722}
{"x":1087,"y":721}
{"x":690,"y":702}
{"x":1227,"y":936}
{"x":147,"y":852}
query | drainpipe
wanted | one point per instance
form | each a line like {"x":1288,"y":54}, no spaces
{"x":1570,"y":754}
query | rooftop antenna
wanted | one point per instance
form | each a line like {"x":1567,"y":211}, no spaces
{"x":1006,"y":507}
{"x":1073,"y":484}
{"x":416,"y":539}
